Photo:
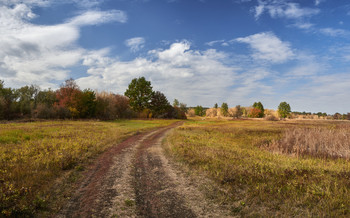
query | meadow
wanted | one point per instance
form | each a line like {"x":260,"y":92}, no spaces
{"x":34,"y":156}
{"x":265,"y":168}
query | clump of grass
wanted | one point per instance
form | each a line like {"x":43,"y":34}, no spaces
{"x":34,"y":155}
{"x":269,"y":184}
{"x":318,"y":142}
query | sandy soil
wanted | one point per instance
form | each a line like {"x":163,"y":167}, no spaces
{"x":136,"y":179}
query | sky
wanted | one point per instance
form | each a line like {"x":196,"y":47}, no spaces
{"x":200,"y":52}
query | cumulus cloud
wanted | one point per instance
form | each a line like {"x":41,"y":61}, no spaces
{"x":283,"y":9}
{"x":197,"y":76}
{"x":267,"y":46}
{"x":135,"y":44}
{"x":41,"y":54}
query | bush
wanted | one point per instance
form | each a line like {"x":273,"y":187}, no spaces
{"x":254,"y":113}
{"x":271,"y":118}
{"x":43,"y":111}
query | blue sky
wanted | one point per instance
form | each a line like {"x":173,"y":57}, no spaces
{"x":201,"y":52}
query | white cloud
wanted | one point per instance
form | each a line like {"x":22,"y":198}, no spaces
{"x":283,"y":9}
{"x":267,"y":46}
{"x":212,"y":43}
{"x":196,"y":76}
{"x":305,"y":26}
{"x":135,"y":44}
{"x":98,"y":17}
{"x":41,"y":54}
{"x":317,"y":2}
{"x":334,"y":32}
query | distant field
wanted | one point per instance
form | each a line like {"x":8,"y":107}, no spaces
{"x":258,"y":168}
{"x":34,"y":155}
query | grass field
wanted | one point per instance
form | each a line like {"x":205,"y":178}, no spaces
{"x":34,"y":155}
{"x":255,"y":179}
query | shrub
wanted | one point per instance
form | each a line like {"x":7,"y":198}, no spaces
{"x":271,"y":118}
{"x":254,"y":113}
{"x":191,"y":113}
{"x":199,"y":111}
{"x":43,"y":111}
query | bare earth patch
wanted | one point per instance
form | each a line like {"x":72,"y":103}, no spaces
{"x":135,"y":179}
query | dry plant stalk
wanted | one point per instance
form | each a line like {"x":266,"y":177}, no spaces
{"x":318,"y":142}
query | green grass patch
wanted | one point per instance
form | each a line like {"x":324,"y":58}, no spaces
{"x":34,"y":155}
{"x":258,"y":182}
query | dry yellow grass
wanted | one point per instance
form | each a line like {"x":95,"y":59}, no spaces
{"x":256,"y":182}
{"x":34,"y":155}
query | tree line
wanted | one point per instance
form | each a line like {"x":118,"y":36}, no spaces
{"x":70,"y":102}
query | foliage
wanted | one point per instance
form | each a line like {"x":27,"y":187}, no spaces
{"x":255,"y":113}
{"x":258,"y":105}
{"x":216,"y":105}
{"x":26,"y":97}
{"x":68,"y":96}
{"x":199,"y":110}
{"x":176,"y":103}
{"x":140,"y":93}
{"x":110,"y":106}
{"x":284,"y":109}
{"x":239,"y":111}
{"x":87,"y":104}
{"x":224,"y":109}
{"x":255,"y":182}
{"x":159,"y":105}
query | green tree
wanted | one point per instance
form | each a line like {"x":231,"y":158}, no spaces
{"x":139,"y":93}
{"x":176,"y":103}
{"x":8,"y":98}
{"x":216,"y":105}
{"x":46,"y":97}
{"x":159,"y":104}
{"x":284,"y":109}
{"x":183,"y":107}
{"x":224,"y":109}
{"x":87,"y":104}
{"x":26,"y":99}
{"x":259,"y":105}
{"x":199,"y":111}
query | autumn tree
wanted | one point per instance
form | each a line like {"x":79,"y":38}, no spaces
{"x":68,"y":99}
{"x":284,"y":109}
{"x":258,"y":105}
{"x":254,"y":113}
{"x":238,"y":112}
{"x":140,"y":93}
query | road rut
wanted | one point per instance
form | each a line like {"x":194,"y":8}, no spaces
{"x":135,"y":179}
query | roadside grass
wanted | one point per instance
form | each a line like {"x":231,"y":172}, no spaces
{"x":33,"y":156}
{"x":256,"y":182}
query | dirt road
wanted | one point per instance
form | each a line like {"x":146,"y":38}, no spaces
{"x":135,"y":179}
